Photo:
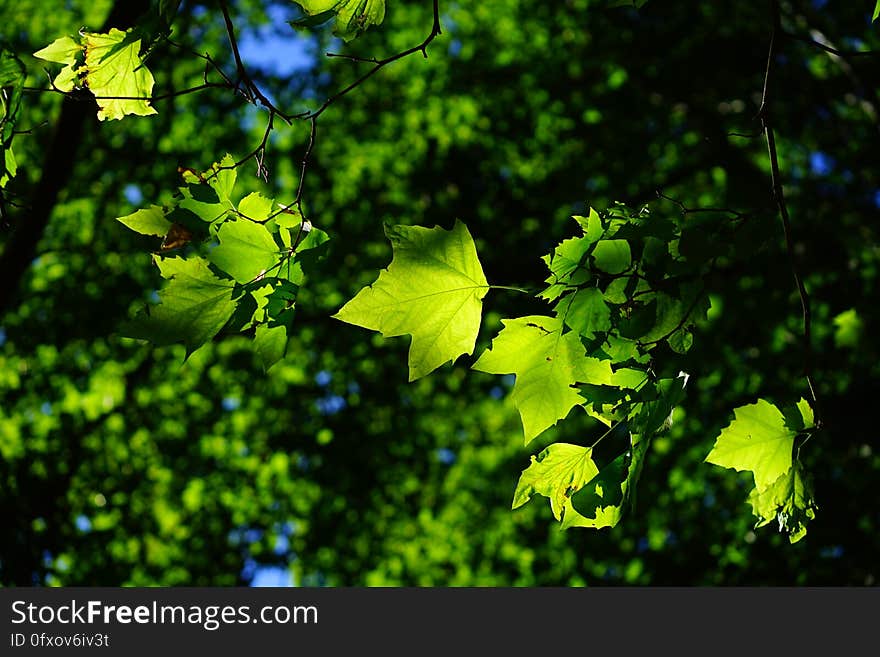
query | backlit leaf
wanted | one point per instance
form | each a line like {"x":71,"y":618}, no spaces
{"x":246,"y":250}
{"x":116,"y":74}
{"x":556,"y":472}
{"x":194,"y":306}
{"x":547,"y":363}
{"x":432,"y":290}
{"x":148,"y":221}
{"x":757,"y":440}
{"x":352,"y":16}
{"x":788,"y":501}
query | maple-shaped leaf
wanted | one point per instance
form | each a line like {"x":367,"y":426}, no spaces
{"x":556,"y":472}
{"x":246,"y":250}
{"x":788,"y":500}
{"x":432,"y":290}
{"x":194,"y":306}
{"x":352,"y":16}
{"x":547,"y":363}
{"x":109,"y":65}
{"x":759,"y":440}
{"x":116,"y":74}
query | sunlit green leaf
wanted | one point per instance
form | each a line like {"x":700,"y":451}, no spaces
{"x":788,"y":501}
{"x":246,"y":250}
{"x":194,"y":306}
{"x":63,"y":50}
{"x":757,"y":440}
{"x":432,"y":290}
{"x":612,"y":256}
{"x":556,"y":472}
{"x":604,"y":501}
{"x":148,"y":221}
{"x":255,"y":207}
{"x":547,"y":363}
{"x":116,"y":74}
{"x":352,"y":16}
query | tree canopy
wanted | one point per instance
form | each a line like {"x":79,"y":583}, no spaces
{"x":429,"y":293}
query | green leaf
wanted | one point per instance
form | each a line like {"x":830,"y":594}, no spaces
{"x":148,"y":221}
{"x":567,"y":258}
{"x":556,"y":472}
{"x":799,"y":417}
{"x":585,"y":312}
{"x":246,"y":250}
{"x":194,"y":306}
{"x":788,"y":500}
{"x":681,"y":341}
{"x":270,"y":345}
{"x":10,"y":166}
{"x":221,"y":177}
{"x":255,"y":207}
{"x":547,"y":363}
{"x":591,"y":225}
{"x":806,"y":411}
{"x":12,"y":78}
{"x":654,"y":416}
{"x":607,"y":497}
{"x":758,"y":440}
{"x":64,"y":51}
{"x":61,"y":51}
{"x":116,"y":74}
{"x":612,"y":256}
{"x":432,"y":290}
{"x":352,"y":16}
{"x":876,"y":11}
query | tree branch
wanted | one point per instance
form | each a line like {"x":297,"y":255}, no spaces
{"x":779,"y":196}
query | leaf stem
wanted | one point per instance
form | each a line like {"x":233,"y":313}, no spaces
{"x":602,"y":437}
{"x":510,"y":288}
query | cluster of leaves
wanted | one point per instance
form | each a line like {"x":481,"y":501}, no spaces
{"x":620,"y":289}
{"x":761,"y":440}
{"x":109,"y":65}
{"x":242,"y":267}
{"x":12,"y":76}
{"x":630,"y":286}
{"x":353,"y":17}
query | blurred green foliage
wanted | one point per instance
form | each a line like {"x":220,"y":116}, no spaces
{"x":119,"y":465}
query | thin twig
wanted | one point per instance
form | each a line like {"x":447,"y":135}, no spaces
{"x":378,"y":65}
{"x":779,"y":196}
{"x":845,"y":54}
